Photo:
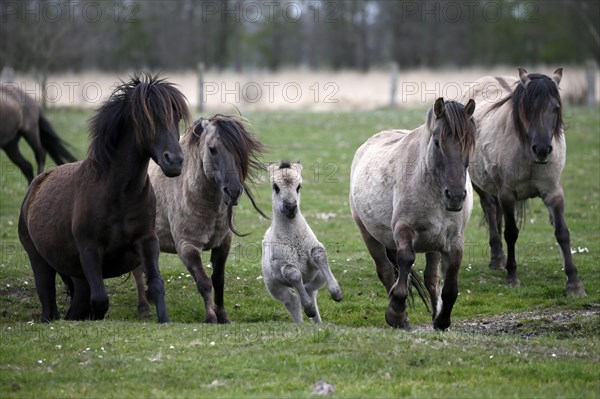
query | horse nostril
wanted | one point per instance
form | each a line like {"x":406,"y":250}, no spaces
{"x":167,"y":157}
{"x":464,"y":194}
{"x":447,"y":193}
{"x":549,"y":150}
{"x":534,"y":149}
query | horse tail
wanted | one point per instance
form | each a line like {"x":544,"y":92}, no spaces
{"x":522,"y":207}
{"x":55,"y":146}
{"x":416,"y":281}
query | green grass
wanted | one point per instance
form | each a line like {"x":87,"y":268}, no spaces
{"x":505,"y":342}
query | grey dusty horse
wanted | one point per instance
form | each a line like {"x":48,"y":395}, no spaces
{"x":194,"y":211}
{"x":410,"y":192}
{"x":294,"y":262}
{"x":520,"y":153}
{"x":21,"y":116}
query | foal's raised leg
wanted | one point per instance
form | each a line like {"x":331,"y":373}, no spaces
{"x":493,"y":217}
{"x":289,"y":298}
{"x":396,"y":312}
{"x":318,"y":256}
{"x":432,"y":281}
{"x":511,"y":233}
{"x":218,"y":257}
{"x":556,"y":207}
{"x":143,"y":308}
{"x":12,"y":150}
{"x":190,"y":256}
{"x":451,"y":264}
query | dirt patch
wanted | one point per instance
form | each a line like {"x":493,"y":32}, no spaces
{"x":562,"y":324}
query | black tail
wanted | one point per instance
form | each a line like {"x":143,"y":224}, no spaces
{"x":55,"y":146}
{"x":416,"y":281}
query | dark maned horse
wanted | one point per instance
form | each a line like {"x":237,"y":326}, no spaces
{"x":21,"y":116}
{"x":95,"y":219}
{"x":410,"y":192}
{"x":195,"y":210}
{"x":520,"y":153}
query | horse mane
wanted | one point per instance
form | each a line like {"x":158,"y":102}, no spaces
{"x":528,"y":100}
{"x":458,"y":125}
{"x":244,"y":147}
{"x":140,"y":104}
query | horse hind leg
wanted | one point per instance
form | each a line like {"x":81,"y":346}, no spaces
{"x":33,"y":138}
{"x":492,"y":212}
{"x":143,"y":307}
{"x":289,"y":298}
{"x":293,"y":277}
{"x":13,"y":153}
{"x":80,"y":308}
{"x":511,"y":234}
{"x":385,"y":268}
{"x":432,"y":281}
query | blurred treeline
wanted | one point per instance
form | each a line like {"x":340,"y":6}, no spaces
{"x":238,"y":34}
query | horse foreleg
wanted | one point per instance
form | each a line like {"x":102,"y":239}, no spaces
{"x":432,"y":281}
{"x":12,"y":150}
{"x":318,"y":256}
{"x":190,"y":256}
{"x":450,"y":264}
{"x":556,"y":208}
{"x":149,"y":251}
{"x":396,"y":315}
{"x":91,"y":263}
{"x":143,"y":308}
{"x":493,"y":217}
{"x":218,"y":258}
{"x":511,"y":233}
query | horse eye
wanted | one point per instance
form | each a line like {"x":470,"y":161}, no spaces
{"x":298,"y":188}
{"x":436,"y":142}
{"x":212,"y":150}
{"x":276,"y":188}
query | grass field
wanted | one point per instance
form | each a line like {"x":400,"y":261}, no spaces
{"x":530,"y":341}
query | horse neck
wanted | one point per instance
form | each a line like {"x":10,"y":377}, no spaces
{"x":129,"y":170}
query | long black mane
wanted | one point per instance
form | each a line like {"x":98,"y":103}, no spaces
{"x":245,"y":149}
{"x":528,"y":102}
{"x":135,"y":108}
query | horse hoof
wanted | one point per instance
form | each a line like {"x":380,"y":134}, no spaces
{"x":310,"y":311}
{"x":337,"y":295}
{"x":498,"y":263}
{"x":441,"y":325}
{"x":513,"y":281}
{"x":222,"y":317}
{"x":144,"y":313}
{"x":576,"y":290}
{"x":397,"y":321}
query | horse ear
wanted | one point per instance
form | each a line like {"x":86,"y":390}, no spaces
{"x":198,"y":128}
{"x":523,"y":75}
{"x":470,"y":107}
{"x":557,"y":76}
{"x":298,"y":167}
{"x":272,"y":169}
{"x":439,"y":108}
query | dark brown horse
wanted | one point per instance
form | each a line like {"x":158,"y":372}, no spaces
{"x":95,"y":219}
{"x":21,"y":116}
{"x":520,"y":154}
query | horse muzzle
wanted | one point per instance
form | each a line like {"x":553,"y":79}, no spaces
{"x":290,"y":210}
{"x":454,"y":201}
{"x":541,"y":154}
{"x":171,"y":163}
{"x":231,"y":196}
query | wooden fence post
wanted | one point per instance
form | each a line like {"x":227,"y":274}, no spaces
{"x":393,"y":83}
{"x":200,"y":72}
{"x":590,"y":75}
